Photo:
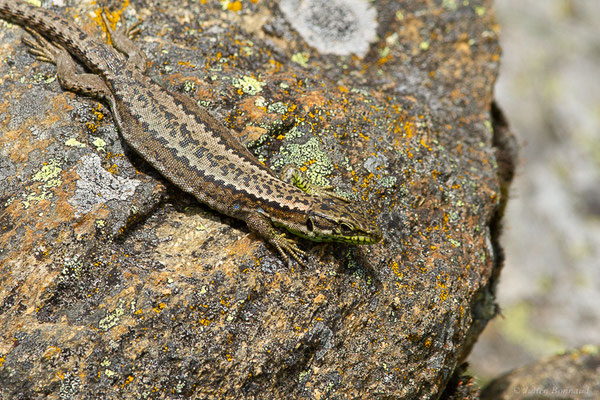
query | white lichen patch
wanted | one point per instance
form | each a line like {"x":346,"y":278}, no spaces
{"x":98,"y":186}
{"x":341,"y":27}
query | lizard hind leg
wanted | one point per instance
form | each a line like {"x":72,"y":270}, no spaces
{"x":122,"y":40}
{"x":66,"y":70}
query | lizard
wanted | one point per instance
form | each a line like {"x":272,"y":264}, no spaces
{"x":185,"y":143}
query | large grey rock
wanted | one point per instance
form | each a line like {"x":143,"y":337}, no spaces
{"x":114,"y":284}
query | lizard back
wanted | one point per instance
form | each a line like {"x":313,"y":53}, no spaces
{"x":196,"y":151}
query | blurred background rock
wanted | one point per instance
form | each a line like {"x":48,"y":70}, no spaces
{"x":549,"y":88}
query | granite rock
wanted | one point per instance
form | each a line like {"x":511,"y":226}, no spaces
{"x":115,"y":284}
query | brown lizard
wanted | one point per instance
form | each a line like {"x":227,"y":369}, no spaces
{"x":187,"y":145}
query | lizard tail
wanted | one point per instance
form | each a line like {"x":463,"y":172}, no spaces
{"x":91,"y":52}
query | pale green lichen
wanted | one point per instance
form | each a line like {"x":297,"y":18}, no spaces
{"x":301,"y":58}
{"x":454,"y":243}
{"x":590,"y":349}
{"x":248,"y":85}
{"x":488,"y":125}
{"x":450,"y":5}
{"x":294,"y":133}
{"x":72,"y":269}
{"x":260,"y":102}
{"x":49,"y":175}
{"x":189,"y":86}
{"x":72,"y":142}
{"x":277,"y":108}
{"x":311,"y":157}
{"x":179,"y":387}
{"x":112,"y":318}
{"x":100,"y":144}
{"x":248,"y":50}
{"x":388,"y":181}
{"x":303,"y":375}
{"x":362,"y":92}
{"x":479,"y":10}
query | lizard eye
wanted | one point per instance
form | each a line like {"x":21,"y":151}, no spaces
{"x":309,"y":225}
{"x":346,"y":227}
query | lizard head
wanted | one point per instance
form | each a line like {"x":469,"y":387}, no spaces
{"x":334,"y":220}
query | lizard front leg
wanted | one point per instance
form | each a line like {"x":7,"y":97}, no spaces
{"x":261,"y":225}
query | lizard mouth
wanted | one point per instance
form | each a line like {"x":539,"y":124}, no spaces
{"x":371,"y":238}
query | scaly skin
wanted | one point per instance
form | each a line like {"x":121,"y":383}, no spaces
{"x":185,"y":143}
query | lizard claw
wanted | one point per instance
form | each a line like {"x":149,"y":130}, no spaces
{"x":285,"y":246}
{"x":41,"y":48}
{"x":260,"y":224}
{"x":133,"y":30}
{"x":121,"y":38}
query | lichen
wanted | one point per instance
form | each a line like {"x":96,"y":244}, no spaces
{"x":72,"y":142}
{"x":308,"y":157}
{"x":112,"y":318}
{"x":301,"y":58}
{"x":49,"y":176}
{"x":97,"y":186}
{"x":248,"y":85}
{"x":100,"y":144}
{"x":277,"y":108}
{"x":72,"y":269}
{"x":341,"y":27}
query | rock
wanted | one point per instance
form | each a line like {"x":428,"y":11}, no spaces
{"x":573,"y":375}
{"x":116,"y":284}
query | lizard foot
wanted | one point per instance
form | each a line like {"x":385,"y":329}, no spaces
{"x":42,"y":49}
{"x":285,"y":246}
{"x":261,"y":225}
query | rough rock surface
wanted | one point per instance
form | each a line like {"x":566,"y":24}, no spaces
{"x":573,"y":375}
{"x":115,"y":284}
